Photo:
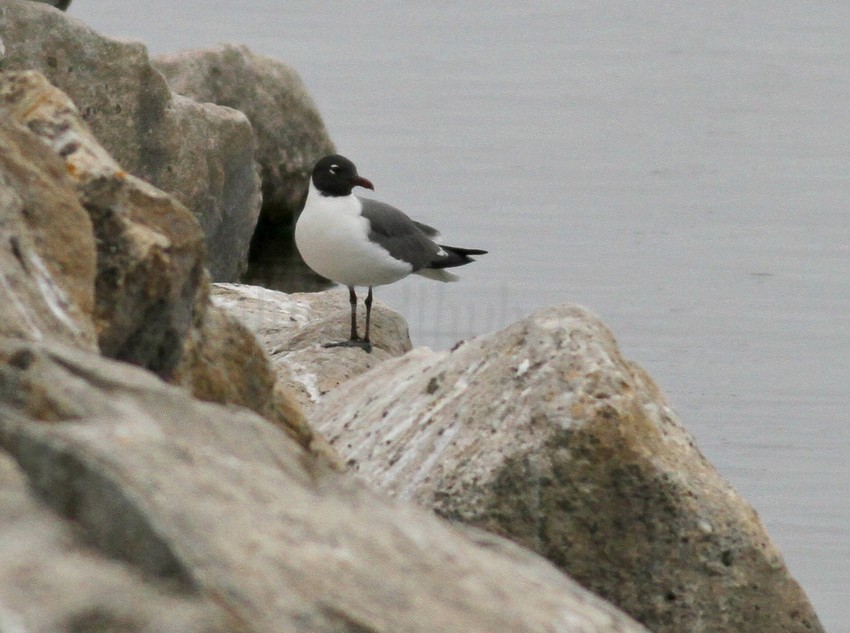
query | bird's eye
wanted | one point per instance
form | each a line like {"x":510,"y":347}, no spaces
{"x":333,"y":168}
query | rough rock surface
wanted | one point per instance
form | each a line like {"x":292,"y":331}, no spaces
{"x":544,"y":433}
{"x":292,"y":328}
{"x":47,"y":250}
{"x":291,"y":136}
{"x":224,"y":507}
{"x":223,"y":362}
{"x":150,"y":248}
{"x":59,"y":4}
{"x":200,"y":153}
{"x":148,"y":299}
{"x":51,"y":579}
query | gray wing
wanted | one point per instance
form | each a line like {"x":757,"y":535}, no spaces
{"x":430,"y":231}
{"x":402,"y":237}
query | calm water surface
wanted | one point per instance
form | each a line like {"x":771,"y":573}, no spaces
{"x":682,"y":171}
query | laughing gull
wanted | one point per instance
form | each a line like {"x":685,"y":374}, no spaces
{"x":361,"y":242}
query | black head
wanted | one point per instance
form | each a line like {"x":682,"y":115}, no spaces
{"x":335,"y":175}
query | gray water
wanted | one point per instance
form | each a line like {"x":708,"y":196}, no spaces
{"x":683,"y":171}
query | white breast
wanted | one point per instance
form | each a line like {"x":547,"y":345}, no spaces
{"x":333,"y":239}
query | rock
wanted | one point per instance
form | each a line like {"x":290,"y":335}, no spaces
{"x":215,"y":175}
{"x":150,"y":248}
{"x":291,"y":136}
{"x":544,"y":433}
{"x":223,"y":362}
{"x":200,"y":153}
{"x":62,"y":5}
{"x":215,"y":502}
{"x":149,"y":301}
{"x":292,"y":328}
{"x":51,"y":579}
{"x":47,"y":250}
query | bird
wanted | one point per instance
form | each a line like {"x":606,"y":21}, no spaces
{"x":360,"y":242}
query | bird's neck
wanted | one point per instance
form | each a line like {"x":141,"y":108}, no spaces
{"x":319,"y":203}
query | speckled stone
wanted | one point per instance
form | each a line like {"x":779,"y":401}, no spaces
{"x":291,"y":135}
{"x":544,"y":433}
{"x":150,"y":263}
{"x":143,"y":296}
{"x":225,"y":511}
{"x":293,"y":327}
{"x":202,"y":154}
{"x":47,"y":248}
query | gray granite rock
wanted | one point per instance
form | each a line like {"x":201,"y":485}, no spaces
{"x":147,"y":298}
{"x":215,"y":502}
{"x":291,"y":136}
{"x":51,"y":579}
{"x":150,"y":248}
{"x":47,"y":248}
{"x":202,"y":154}
{"x":293,"y":327}
{"x":544,"y":433}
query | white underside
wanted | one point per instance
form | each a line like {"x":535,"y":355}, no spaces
{"x":333,"y":239}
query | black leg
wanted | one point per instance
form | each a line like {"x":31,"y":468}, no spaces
{"x":352,"y":299}
{"x":355,"y":340}
{"x":368,"y":303}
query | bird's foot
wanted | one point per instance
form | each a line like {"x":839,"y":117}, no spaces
{"x":365,"y":345}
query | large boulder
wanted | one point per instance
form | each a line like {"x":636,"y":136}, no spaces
{"x":224,"y":362}
{"x":150,"y":248}
{"x":215,"y":506}
{"x":291,"y":136}
{"x":202,"y":154}
{"x":47,"y":249}
{"x":544,"y":433}
{"x":147,"y":297}
{"x":293,"y":327}
{"x":51,"y":579}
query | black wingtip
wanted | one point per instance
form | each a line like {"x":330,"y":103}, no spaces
{"x":456,"y":256}
{"x":465,"y":251}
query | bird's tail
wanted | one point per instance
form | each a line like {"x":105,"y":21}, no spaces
{"x":457,"y":257}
